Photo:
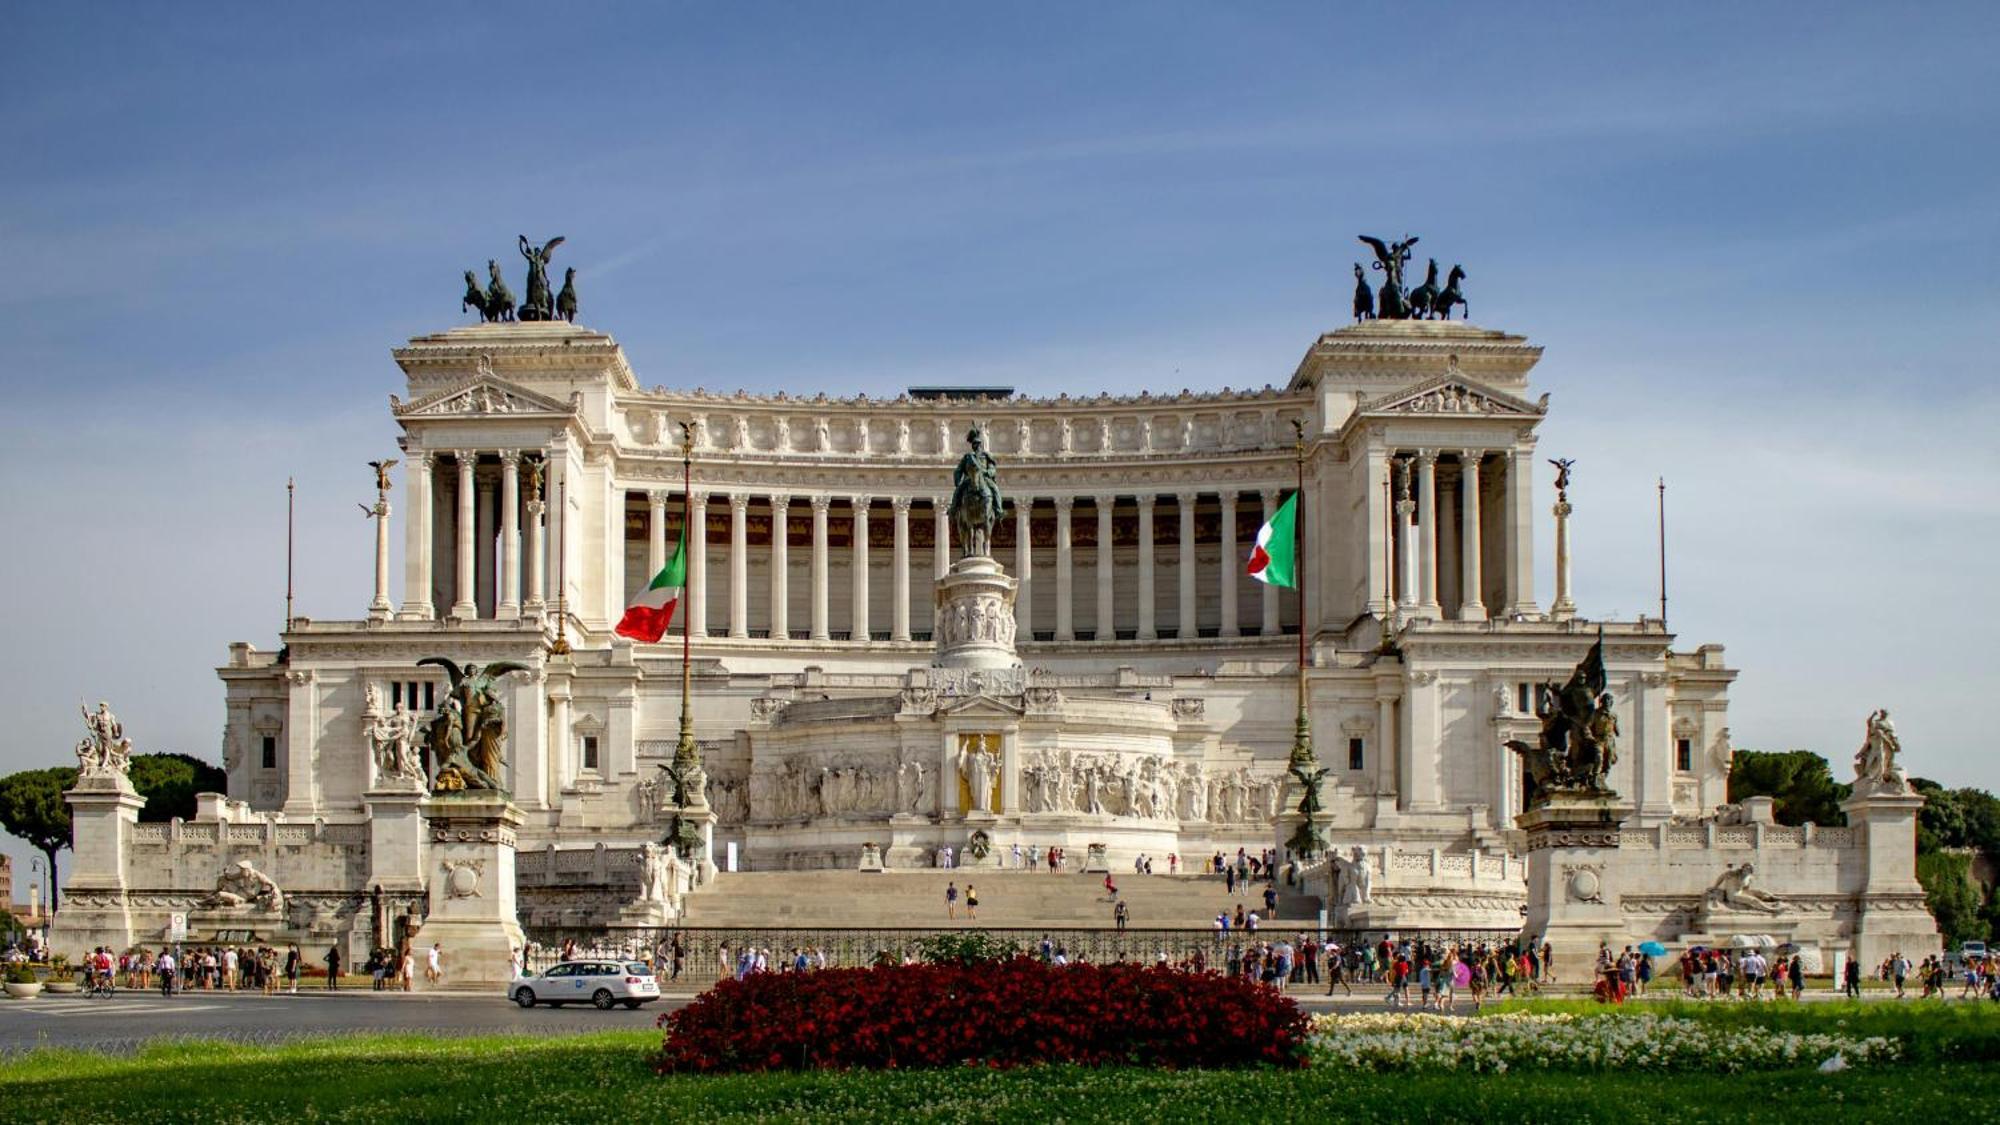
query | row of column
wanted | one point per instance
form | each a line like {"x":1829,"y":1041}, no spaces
{"x":473,"y":544}
{"x":1426,"y":543}
{"x":899,"y":570}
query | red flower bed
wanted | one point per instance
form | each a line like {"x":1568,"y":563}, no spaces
{"x":1010,"y":1013}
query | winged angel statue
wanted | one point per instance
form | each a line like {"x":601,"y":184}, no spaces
{"x":462,"y":745}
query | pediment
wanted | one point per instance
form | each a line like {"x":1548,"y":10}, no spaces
{"x":1453,"y":393}
{"x":482,"y":394}
{"x":974,"y":706}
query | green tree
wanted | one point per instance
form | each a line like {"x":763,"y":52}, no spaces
{"x":1953,"y":900}
{"x":1800,"y":782}
{"x":32,"y":807}
{"x":170,"y":781}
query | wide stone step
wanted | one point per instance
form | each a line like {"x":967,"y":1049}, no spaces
{"x":1007,"y":898}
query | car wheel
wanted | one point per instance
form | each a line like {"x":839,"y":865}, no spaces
{"x":525,"y":997}
{"x":603,"y":999}
{"x":632,"y":1004}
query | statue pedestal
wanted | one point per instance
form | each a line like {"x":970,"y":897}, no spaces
{"x":975,"y":616}
{"x":1572,"y":906}
{"x":1892,"y":915}
{"x":396,"y":838}
{"x":95,"y":911}
{"x":471,"y":878}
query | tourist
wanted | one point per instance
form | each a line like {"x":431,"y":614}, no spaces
{"x":1034,"y":857}
{"x":1017,"y":854}
{"x":1110,"y":888}
{"x":1250,"y":923}
{"x":1899,"y":967}
{"x":1336,"y":970}
{"x":1271,"y":901}
{"x":951,"y":900}
{"x":434,"y":966}
{"x":1119,"y":916}
{"x":1047,"y":950}
{"x":406,"y":966}
{"x":725,"y":963}
{"x":1851,"y":979}
{"x":1221,"y":924}
{"x":1173,"y":863}
{"x":1229,"y":880}
{"x":1796,"y":974}
{"x":1239,"y":916}
{"x":332,"y":960}
{"x":165,"y":965}
{"x":971,"y":902}
{"x":679,"y":954}
{"x":1283,"y":954}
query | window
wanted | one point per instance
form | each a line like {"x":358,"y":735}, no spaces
{"x":270,"y":751}
{"x":1684,"y":754}
{"x":590,"y":751}
{"x":1522,"y":702}
{"x":1356,"y":753}
{"x":430,"y":697}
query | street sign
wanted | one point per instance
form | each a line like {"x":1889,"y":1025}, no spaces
{"x":177,"y":927}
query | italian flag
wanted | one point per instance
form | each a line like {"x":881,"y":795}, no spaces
{"x":646,"y":620}
{"x":1274,"y":559}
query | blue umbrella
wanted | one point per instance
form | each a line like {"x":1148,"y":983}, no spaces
{"x":1653,"y":949}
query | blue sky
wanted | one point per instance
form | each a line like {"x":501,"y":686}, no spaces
{"x":1758,"y":244}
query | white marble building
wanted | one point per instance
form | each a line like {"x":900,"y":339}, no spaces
{"x":1130,"y":518}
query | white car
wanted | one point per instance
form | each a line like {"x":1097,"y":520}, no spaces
{"x":603,"y":983}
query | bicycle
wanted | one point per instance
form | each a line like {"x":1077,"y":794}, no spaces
{"x":101,"y":986}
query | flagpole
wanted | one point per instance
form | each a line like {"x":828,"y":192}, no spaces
{"x":290,"y":510}
{"x":684,"y":751}
{"x":560,"y":646}
{"x":1663,"y":552}
{"x":1302,"y":740}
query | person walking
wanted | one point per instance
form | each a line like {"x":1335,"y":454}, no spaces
{"x":292,"y":960}
{"x":951,"y":900}
{"x":1851,"y":979}
{"x":1110,"y":888}
{"x":165,"y":965}
{"x":333,"y":969}
{"x":434,"y":966}
{"x":407,"y":966}
{"x":971,"y":901}
{"x":679,"y":953}
{"x":1119,"y":916}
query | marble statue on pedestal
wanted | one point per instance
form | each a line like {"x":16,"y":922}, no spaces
{"x":106,"y":752}
{"x":976,"y":503}
{"x":243,"y":887}
{"x":979,"y":766}
{"x":394,"y":739}
{"x":1357,"y":879}
{"x":1875,"y":763}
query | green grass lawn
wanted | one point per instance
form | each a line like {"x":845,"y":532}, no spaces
{"x":605,"y":1077}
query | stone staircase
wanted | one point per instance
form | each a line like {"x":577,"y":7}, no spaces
{"x":1008,"y":899}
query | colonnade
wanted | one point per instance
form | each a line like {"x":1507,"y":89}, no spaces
{"x":1450,"y":519}
{"x":497,"y":532}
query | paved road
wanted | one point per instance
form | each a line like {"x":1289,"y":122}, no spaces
{"x":128,"y":1019}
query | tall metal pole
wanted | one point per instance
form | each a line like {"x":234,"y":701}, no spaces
{"x":1302,"y":739}
{"x":560,"y":646}
{"x":290,"y":508}
{"x":1388,"y":560}
{"x":684,"y":752}
{"x":1663,"y":552}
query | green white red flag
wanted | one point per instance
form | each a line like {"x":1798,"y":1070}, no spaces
{"x":1274,"y":560}
{"x":650,"y":614}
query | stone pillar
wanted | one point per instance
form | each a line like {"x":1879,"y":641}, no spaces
{"x":466,"y":604}
{"x":1065,"y":571}
{"x":507,"y":604}
{"x":486,"y":563}
{"x":1107,"y":618}
{"x":1427,"y":535}
{"x":1385,"y":751}
{"x":1024,"y":565}
{"x":104,"y":812}
{"x":1229,"y":566}
{"x":417,"y":537}
{"x":1563,"y":608}
{"x":739,"y":564}
{"x":781,"y":561}
{"x":819,"y":626}
{"x":561,"y":756}
{"x":1520,"y":564}
{"x":697,"y":565}
{"x":1423,"y":736}
{"x":1572,"y":905}
{"x":1187,"y":628}
{"x":472,"y":912}
{"x":379,"y":609}
{"x":1406,"y":554}
{"x":301,"y":728}
{"x":899,"y":576}
{"x":1271,"y":625}
{"x":1892,"y":914}
{"x":656,"y":532}
{"x":858,"y":619}
{"x":538,"y":574}
{"x":1146,"y":593}
{"x":941,"y":511}
{"x":1471,"y":606}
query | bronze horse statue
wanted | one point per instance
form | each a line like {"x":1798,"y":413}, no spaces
{"x":1364,"y":297}
{"x":1452,"y":295}
{"x":1425,"y":295}
{"x":499,"y":298}
{"x":566,"y":300}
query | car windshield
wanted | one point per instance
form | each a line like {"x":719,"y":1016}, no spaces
{"x":639,"y":968}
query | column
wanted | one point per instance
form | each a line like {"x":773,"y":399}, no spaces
{"x":1406,"y":551}
{"x":1386,"y":752}
{"x":781,"y":579}
{"x":656,"y":532}
{"x":1271,"y":626}
{"x":1024,"y":565}
{"x":1427,"y":534}
{"x":1107,"y":621}
{"x":739,"y":564}
{"x":1187,"y":627}
{"x":697,"y":565}
{"x":1520,"y":564}
{"x":942,"y":509}
{"x":1229,"y":564}
{"x":1471,"y":606}
{"x":486,"y":566}
{"x":1146,"y":596}
{"x":379,"y":609}
{"x":858,"y":626}
{"x":819,"y":629}
{"x":1065,"y":570}
{"x":417,"y":537}
{"x":1563,"y":608}
{"x":899,"y":573}
{"x":465,"y":605}
{"x":508,"y":602}
{"x":538,"y":574}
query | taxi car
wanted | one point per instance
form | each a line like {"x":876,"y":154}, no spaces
{"x":603,"y":982}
